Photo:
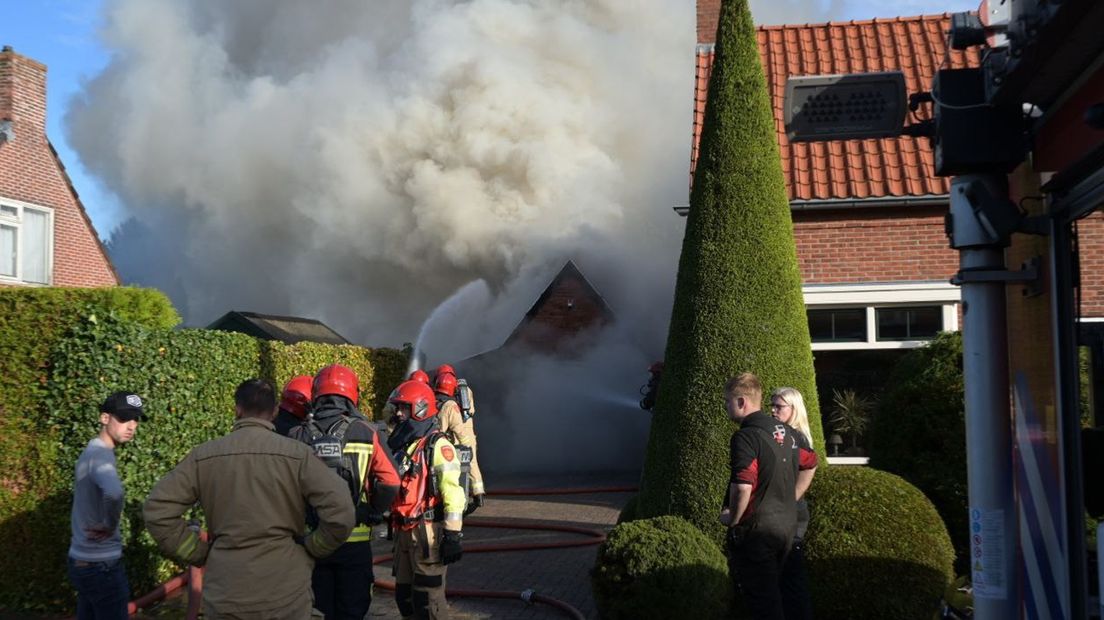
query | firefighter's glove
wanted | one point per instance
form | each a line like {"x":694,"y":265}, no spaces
{"x":451,"y":550}
{"x":476,"y":502}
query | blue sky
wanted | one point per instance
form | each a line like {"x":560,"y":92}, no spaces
{"x":63,"y":35}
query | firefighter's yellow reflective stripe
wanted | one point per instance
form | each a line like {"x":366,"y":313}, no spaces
{"x":186,"y":548}
{"x":363,"y":454}
{"x":361,"y":533}
{"x":453,"y":495}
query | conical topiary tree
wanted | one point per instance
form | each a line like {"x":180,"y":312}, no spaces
{"x":738,"y":303}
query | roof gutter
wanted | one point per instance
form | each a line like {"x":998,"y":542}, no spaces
{"x":833,"y":204}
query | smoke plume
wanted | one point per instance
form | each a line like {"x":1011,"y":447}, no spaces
{"x":358,"y":162}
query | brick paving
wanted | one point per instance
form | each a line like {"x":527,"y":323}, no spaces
{"x":559,"y":573}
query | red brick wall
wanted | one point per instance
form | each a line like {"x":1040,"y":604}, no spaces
{"x":874,"y":245}
{"x":1090,"y":234}
{"x":709,"y":11}
{"x":31,"y":172}
{"x":908,"y":244}
{"x":569,"y":308}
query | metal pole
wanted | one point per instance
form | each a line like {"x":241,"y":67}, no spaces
{"x":1067,"y":373}
{"x":993,"y":522}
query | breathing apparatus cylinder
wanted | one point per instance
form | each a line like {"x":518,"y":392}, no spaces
{"x":464,"y":396}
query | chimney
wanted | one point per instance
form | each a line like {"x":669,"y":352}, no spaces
{"x":709,"y":13}
{"x":22,"y":94}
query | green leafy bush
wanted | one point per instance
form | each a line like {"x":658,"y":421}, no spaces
{"x":32,"y":320}
{"x":876,"y":547}
{"x":379,"y":370}
{"x":738,"y":304}
{"x":919,"y":432}
{"x":660,"y":568}
{"x":72,"y":347}
{"x":186,"y":378}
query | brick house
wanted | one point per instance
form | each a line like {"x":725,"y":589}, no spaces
{"x":568,"y":306}
{"x":46,"y":237}
{"x":868,"y":215}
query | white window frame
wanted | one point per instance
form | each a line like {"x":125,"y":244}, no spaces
{"x":17,"y":222}
{"x":872,"y":296}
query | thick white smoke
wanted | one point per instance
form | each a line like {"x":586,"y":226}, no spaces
{"x":358,"y":162}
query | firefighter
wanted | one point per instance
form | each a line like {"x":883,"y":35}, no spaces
{"x":651,"y":389}
{"x":458,"y":423}
{"x":356,"y":450}
{"x":420,"y":376}
{"x":428,"y":513}
{"x":294,"y":404}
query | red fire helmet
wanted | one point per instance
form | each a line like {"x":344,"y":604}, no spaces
{"x":297,"y":395}
{"x":339,"y":380}
{"x":418,"y":396}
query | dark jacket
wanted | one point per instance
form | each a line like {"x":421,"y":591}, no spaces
{"x":764,"y":454}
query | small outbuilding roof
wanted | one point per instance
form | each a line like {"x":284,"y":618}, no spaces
{"x":288,"y":329}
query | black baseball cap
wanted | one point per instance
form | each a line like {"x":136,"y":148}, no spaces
{"x":125,"y":406}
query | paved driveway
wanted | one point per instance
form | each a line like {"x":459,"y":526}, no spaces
{"x":560,"y":573}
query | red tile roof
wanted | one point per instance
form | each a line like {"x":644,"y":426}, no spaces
{"x":854,"y":168}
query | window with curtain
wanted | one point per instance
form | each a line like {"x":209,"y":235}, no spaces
{"x":9,"y":250}
{"x":36,"y":246}
{"x":26,"y":242}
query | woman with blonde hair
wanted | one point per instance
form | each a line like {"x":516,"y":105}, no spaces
{"x":788,"y":406}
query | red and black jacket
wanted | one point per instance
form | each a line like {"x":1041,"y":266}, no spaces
{"x":766,"y":454}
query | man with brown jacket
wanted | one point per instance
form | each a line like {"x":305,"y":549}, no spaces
{"x":254,"y":487}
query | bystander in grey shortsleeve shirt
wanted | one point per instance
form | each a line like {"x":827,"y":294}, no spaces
{"x":97,"y":503}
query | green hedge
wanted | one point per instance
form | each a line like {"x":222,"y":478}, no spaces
{"x":186,"y":378}
{"x":919,"y":432}
{"x":32,"y":320}
{"x":660,"y":568}
{"x":738,"y":304}
{"x":876,"y":547}
{"x":96,"y":342}
{"x":379,"y":370}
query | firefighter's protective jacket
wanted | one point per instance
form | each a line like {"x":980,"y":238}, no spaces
{"x":375,"y":468}
{"x":254,"y":487}
{"x":463,"y":432}
{"x":445,"y":469}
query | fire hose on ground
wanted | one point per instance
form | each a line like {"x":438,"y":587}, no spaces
{"x":193,"y":577}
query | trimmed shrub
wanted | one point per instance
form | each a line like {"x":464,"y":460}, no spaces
{"x":738,"y":304}
{"x":660,"y":568}
{"x":876,"y":547}
{"x":72,"y":347}
{"x":389,"y":370}
{"x":32,"y":320}
{"x":919,"y":432}
{"x":187,"y":380}
{"x":628,"y":512}
{"x":379,"y":370}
